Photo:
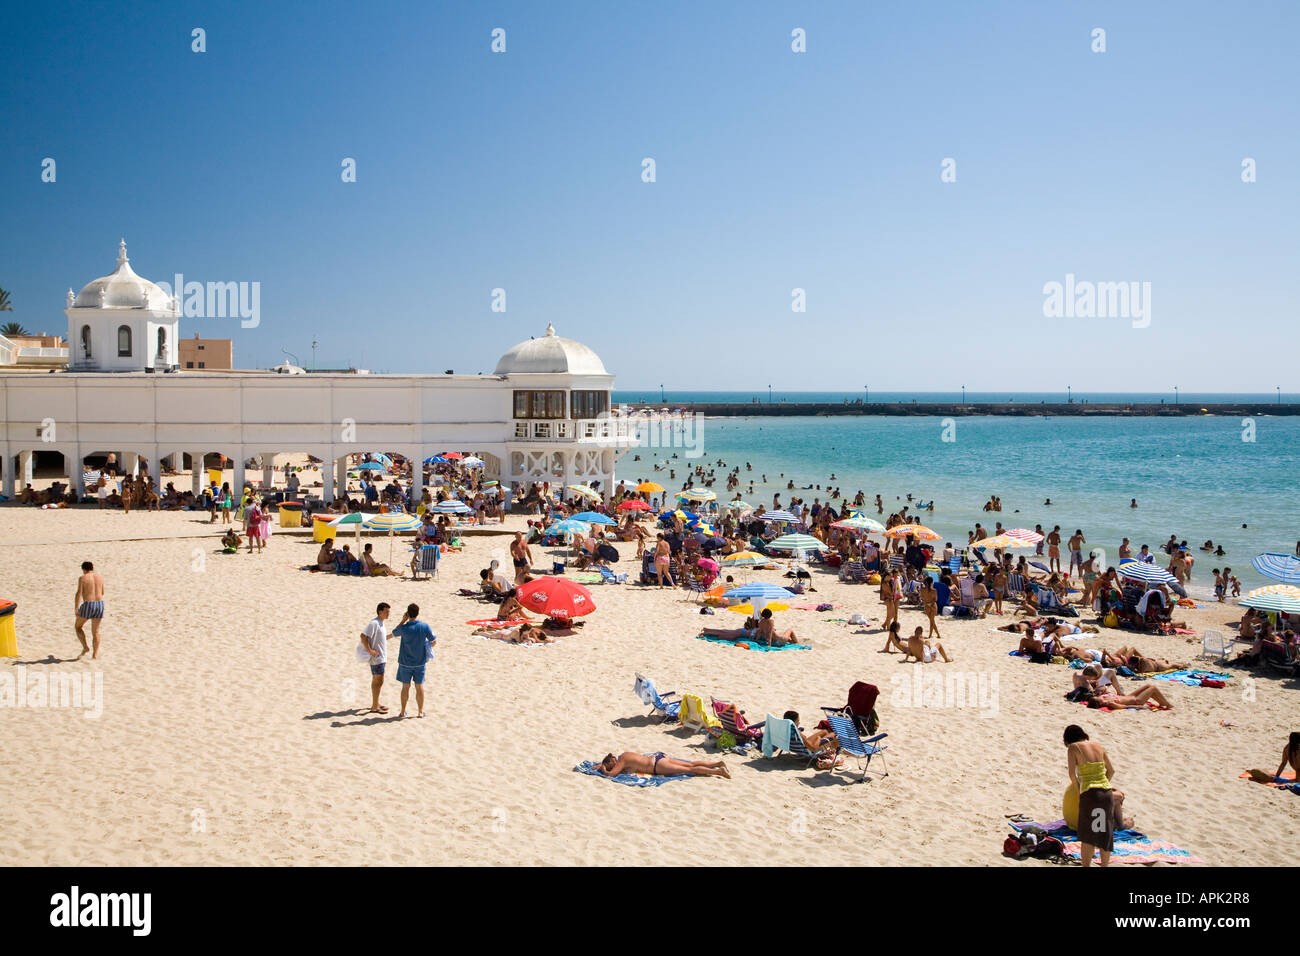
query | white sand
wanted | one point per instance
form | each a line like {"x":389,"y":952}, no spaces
{"x":231,"y":730}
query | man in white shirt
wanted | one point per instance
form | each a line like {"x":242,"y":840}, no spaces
{"x":375,"y":640}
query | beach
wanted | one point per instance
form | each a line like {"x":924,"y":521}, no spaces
{"x":232,"y":728}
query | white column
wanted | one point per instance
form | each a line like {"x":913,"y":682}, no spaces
{"x":25,"y":467}
{"x":417,"y":478}
{"x":568,"y":473}
{"x":77,"y":471}
{"x":9,"y":476}
{"x":132,"y":464}
{"x":268,"y":472}
{"x":237,"y":486}
{"x":341,"y":476}
{"x":196,"y":472}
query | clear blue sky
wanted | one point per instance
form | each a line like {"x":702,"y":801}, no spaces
{"x":775,"y":170}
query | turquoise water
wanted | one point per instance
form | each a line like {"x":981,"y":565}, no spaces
{"x":671,"y":396}
{"x":1194,"y":477}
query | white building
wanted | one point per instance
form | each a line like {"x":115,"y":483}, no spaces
{"x":542,"y":415}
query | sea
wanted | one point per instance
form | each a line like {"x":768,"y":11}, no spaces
{"x":1229,"y":480}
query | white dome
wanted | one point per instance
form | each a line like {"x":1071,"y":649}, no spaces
{"x":122,"y":290}
{"x":550,"y":353}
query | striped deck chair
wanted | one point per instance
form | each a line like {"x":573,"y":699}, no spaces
{"x":733,"y":721}
{"x":851,"y":743}
{"x":797,"y":749}
{"x":856,"y":572}
{"x":1015,"y":585}
{"x":695,"y":716}
{"x":660,"y":704}
{"x":954,"y":564}
{"x":425,"y":560}
{"x":896,"y":562}
{"x":698,"y":589}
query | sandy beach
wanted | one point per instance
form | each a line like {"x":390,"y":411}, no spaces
{"x":232,"y":727}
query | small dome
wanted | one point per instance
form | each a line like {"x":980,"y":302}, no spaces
{"x":122,"y":290}
{"x":550,"y":353}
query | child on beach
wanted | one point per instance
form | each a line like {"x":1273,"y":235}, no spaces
{"x":1220,"y":586}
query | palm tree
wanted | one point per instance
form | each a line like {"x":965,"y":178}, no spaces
{"x":4,"y":301}
{"x":12,"y":328}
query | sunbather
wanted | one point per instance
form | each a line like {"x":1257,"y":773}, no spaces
{"x":924,"y":650}
{"x":824,"y":743}
{"x":658,"y":764}
{"x":892,"y":640}
{"x":769,"y":635}
{"x":1290,"y":756}
{"x":1109,"y":697}
{"x":374,"y":568}
{"x":746,"y":633}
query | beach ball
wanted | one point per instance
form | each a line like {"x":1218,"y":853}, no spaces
{"x":1070,"y":806}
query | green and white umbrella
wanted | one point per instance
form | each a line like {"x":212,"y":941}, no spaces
{"x":357,"y":518}
{"x":860,"y":522}
{"x":1274,"y":597}
{"x":797,"y":542}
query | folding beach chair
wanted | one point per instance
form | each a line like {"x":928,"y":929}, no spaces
{"x":695,"y":716}
{"x":609,"y":577}
{"x":1015,"y":585}
{"x":733,"y":721}
{"x":896,"y":562}
{"x":1215,"y":645}
{"x":954,"y":564}
{"x":426,"y":562}
{"x":852,"y":743}
{"x":797,"y":748}
{"x":661,"y":704}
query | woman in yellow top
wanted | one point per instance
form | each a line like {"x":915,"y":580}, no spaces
{"x":1099,"y":804}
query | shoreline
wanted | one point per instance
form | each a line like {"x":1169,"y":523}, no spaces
{"x":969,"y":409}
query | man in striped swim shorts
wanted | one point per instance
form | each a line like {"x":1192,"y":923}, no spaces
{"x":90,"y":607}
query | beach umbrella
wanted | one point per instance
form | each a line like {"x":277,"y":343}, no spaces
{"x":370,"y":466}
{"x":740,"y":505}
{"x":392,"y":522}
{"x":702,"y":527}
{"x":1001,"y":542}
{"x":776,"y":516}
{"x":918,"y":531}
{"x":569,"y":526}
{"x":473,"y":462}
{"x":749,"y":608}
{"x":584,"y":490}
{"x":650,"y":487}
{"x":489,"y":484}
{"x":633,"y":504}
{"x":745,"y":559}
{"x":1024,"y":534}
{"x":453,"y":455}
{"x":437,"y":460}
{"x":556,"y":597}
{"x":797,"y":542}
{"x":759,"y":589}
{"x":708,"y":564}
{"x":354,"y":518}
{"x":860,"y":522}
{"x":593,"y":517}
{"x":1274,"y":597}
{"x":1146,"y":573}
{"x":1279,"y":567}
{"x":696,"y":494}
{"x":452,"y":506}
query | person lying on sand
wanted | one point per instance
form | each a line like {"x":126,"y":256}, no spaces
{"x":523,"y":634}
{"x":512,"y":610}
{"x":746,"y":633}
{"x":1095,"y":677}
{"x":1131,"y":658}
{"x":1109,"y":697}
{"x":658,"y":764}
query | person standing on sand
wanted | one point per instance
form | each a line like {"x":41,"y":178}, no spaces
{"x":89,"y":603}
{"x":522,"y":558}
{"x":1090,"y":771}
{"x":930,"y":603}
{"x":889,"y":595}
{"x":1076,"y":543}
{"x":413,"y":656}
{"x":1054,"y":549}
{"x":375,"y":641}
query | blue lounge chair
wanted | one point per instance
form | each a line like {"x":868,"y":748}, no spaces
{"x":954,"y":564}
{"x":425,"y":560}
{"x":852,"y":743}
{"x":660,"y":704}
{"x":609,"y":577}
{"x":797,"y":747}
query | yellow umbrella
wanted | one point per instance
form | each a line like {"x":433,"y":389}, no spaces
{"x":749,"y":608}
{"x":585,"y":491}
{"x":918,"y":531}
{"x":650,"y":486}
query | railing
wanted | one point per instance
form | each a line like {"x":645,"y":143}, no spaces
{"x":590,"y":430}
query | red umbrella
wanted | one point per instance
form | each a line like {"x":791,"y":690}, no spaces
{"x":452,"y":454}
{"x":634,"y":504}
{"x":556,"y":597}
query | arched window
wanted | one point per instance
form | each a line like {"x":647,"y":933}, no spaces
{"x":123,"y":341}
{"x":162,"y":344}
{"x":85,"y":341}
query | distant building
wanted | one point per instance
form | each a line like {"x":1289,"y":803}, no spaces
{"x":199,"y":353}
{"x":33,"y":352}
{"x":122,"y":323}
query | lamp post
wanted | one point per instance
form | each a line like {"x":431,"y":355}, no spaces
{"x":963,"y":394}
{"x":866,"y":394}
{"x":1175,"y":394}
{"x":769,"y":395}
{"x":314,"y":343}
{"x":1069,"y":395}
{"x":1279,"y":394}
{"x":661,"y":393}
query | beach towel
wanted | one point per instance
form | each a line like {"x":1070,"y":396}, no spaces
{"x":753,"y":645}
{"x":628,"y":779}
{"x":776,"y":734}
{"x":1131,"y":846}
{"x":1191,"y":678}
{"x":1288,"y":781}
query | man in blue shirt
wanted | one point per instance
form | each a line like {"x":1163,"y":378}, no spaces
{"x":415,"y":652}
{"x":944,"y":592}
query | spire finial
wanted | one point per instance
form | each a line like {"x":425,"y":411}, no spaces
{"x":121,"y":252}
{"x":550,"y":329}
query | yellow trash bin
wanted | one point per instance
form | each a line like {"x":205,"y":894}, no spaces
{"x":214,"y":476}
{"x":320,"y":527}
{"x":8,"y":636}
{"x":290,"y":514}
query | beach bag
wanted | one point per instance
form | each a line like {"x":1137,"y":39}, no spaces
{"x":1012,"y":847}
{"x":1111,"y":619}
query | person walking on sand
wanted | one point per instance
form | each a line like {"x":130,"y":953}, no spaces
{"x":375,"y":641}
{"x":658,"y":764}
{"x":930,"y":603}
{"x":413,"y":655}
{"x":89,"y":603}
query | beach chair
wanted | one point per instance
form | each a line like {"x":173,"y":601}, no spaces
{"x":861,"y":707}
{"x":896,"y":562}
{"x":659,"y":704}
{"x":954,"y":564}
{"x":1015,"y":586}
{"x":426,"y":562}
{"x":698,"y":588}
{"x":1275,"y":659}
{"x":609,"y":577}
{"x":733,"y":721}
{"x":1215,"y":645}
{"x":695,"y":716}
{"x":855,"y":571}
{"x":795,"y":747}
{"x":853,"y":744}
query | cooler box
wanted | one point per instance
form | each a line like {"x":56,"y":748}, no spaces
{"x":8,"y":636}
{"x":320,"y":527}
{"x":291,"y":514}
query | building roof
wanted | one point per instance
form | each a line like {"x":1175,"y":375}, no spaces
{"x":122,"y":289}
{"x":551,"y":353}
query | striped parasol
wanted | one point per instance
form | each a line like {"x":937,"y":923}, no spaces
{"x":797,"y":542}
{"x":392,"y":521}
{"x":760,"y":589}
{"x":355,"y":518}
{"x":1024,"y":534}
{"x":696,"y":494}
{"x":1279,"y":567}
{"x":584,"y":490}
{"x":860,"y":522}
{"x":1000,"y":542}
{"x":452,"y":506}
{"x":1274,"y":597}
{"x":918,"y":531}
{"x":1146,"y":573}
{"x":776,"y":516}
{"x":745,"y":559}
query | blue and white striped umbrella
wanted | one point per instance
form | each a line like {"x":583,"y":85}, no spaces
{"x":770,"y":592}
{"x":593,"y":517}
{"x":1146,"y":573}
{"x":776,"y":516}
{"x":452,"y":506}
{"x":436,"y":460}
{"x":1279,"y":567}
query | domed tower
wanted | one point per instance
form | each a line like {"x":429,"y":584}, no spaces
{"x":561,"y":429}
{"x":122,"y":323}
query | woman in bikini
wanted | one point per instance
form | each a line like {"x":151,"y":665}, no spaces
{"x":1100,"y":805}
{"x":663,"y":560}
{"x":824,"y":743}
{"x":659,"y":764}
